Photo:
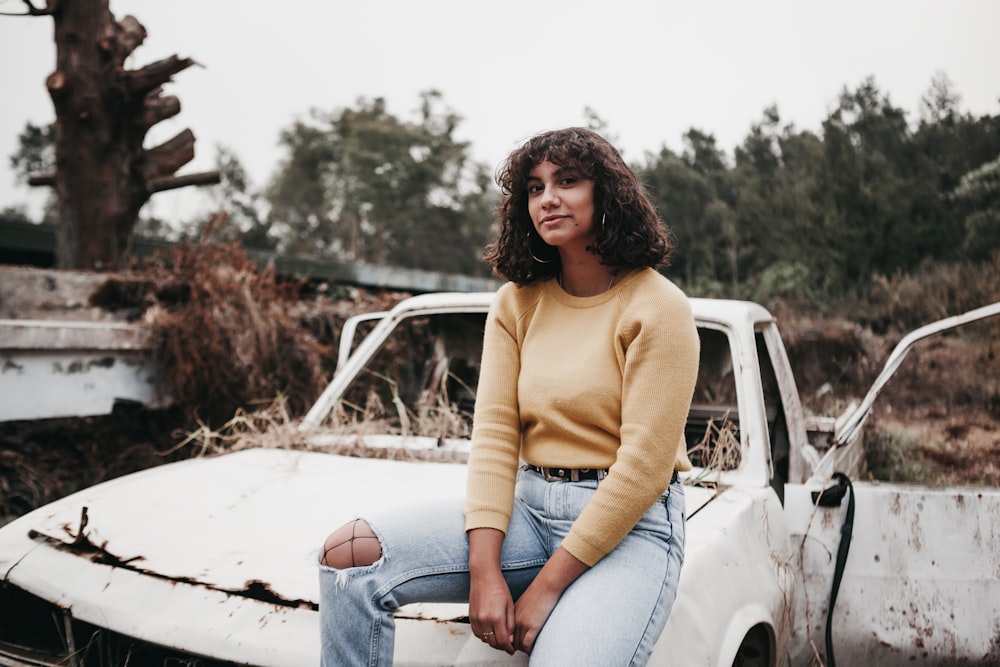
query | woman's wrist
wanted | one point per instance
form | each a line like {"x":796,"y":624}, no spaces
{"x":484,"y":551}
{"x":561,"y":570}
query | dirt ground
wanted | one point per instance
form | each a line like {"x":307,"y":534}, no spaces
{"x":937,"y":421}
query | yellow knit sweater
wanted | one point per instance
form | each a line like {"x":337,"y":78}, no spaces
{"x":584,"y":382}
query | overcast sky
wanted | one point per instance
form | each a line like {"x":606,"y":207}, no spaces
{"x":651,"y":68}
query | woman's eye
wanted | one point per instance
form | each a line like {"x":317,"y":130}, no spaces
{"x":534,"y":189}
{"x":569,"y":180}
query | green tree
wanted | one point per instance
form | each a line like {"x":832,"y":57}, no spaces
{"x":978,"y":195}
{"x":775,"y":179}
{"x":816,"y":216}
{"x":885,"y":185}
{"x":950,"y":147}
{"x":693,"y":193}
{"x":36,"y":153}
{"x":36,"y":147}
{"x":681,"y":196}
{"x":243,"y":206}
{"x":360,"y":184}
{"x":758,"y":177}
{"x":865,"y":180}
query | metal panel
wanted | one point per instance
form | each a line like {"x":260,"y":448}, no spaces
{"x":922,"y":580}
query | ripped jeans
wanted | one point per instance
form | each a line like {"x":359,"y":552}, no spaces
{"x":612,"y":615}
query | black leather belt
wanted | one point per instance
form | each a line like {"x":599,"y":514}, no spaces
{"x":568,"y":474}
{"x":575,"y":474}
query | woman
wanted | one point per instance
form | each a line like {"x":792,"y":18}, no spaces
{"x":571,"y":540}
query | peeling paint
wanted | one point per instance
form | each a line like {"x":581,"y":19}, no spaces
{"x":103,"y":362}
{"x":9,"y":365}
{"x":81,"y":545}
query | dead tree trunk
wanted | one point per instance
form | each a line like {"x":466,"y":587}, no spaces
{"x":103,"y":173}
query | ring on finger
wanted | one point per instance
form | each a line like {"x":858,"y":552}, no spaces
{"x":487,"y":635}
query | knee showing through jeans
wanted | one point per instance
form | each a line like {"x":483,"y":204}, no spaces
{"x":352,"y":545}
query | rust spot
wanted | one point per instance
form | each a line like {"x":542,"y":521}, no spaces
{"x":83,"y":546}
{"x":896,"y":507}
{"x":420,"y":617}
{"x":9,"y":365}
{"x":259,"y":590}
{"x":103,"y":362}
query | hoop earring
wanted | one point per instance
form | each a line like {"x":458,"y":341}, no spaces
{"x":531,"y":252}
{"x":603,"y":216}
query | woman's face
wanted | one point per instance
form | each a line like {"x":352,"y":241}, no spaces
{"x":561,"y":206}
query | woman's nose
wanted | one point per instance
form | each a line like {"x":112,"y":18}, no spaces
{"x":550,"y":197}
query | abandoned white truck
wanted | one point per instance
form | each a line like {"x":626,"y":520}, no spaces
{"x":210,"y":561}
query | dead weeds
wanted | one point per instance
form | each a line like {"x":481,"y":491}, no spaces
{"x":232,"y":341}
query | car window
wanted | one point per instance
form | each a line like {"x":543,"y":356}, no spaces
{"x":712,"y":431}
{"x":422,"y":381}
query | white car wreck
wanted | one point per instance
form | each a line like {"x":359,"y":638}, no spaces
{"x":210,"y":561}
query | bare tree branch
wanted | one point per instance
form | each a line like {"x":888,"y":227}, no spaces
{"x":131,"y":35}
{"x":48,"y":178}
{"x":41,"y":179}
{"x":169,"y":156}
{"x":50,"y":8}
{"x":173,"y":182}
{"x":158,"y":108}
{"x":156,"y":74}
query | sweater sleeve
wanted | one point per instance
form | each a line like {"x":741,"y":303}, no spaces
{"x":660,"y":355}
{"x":496,"y":431}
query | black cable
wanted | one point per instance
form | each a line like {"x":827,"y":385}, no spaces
{"x":832,"y":497}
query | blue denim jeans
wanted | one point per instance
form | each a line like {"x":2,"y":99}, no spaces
{"x":612,"y":615}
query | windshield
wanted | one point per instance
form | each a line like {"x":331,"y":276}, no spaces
{"x":421,"y":382}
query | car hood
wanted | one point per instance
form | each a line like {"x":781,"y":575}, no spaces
{"x":247,"y":523}
{"x":242,"y":522}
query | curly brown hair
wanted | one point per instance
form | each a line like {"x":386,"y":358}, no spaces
{"x":633,"y":235}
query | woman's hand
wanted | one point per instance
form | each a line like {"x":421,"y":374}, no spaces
{"x":538,"y":601}
{"x":491,"y":606}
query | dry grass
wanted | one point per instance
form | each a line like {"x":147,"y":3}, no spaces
{"x":903,"y":301}
{"x":231,"y":342}
{"x":718,"y":451}
{"x":269,"y":426}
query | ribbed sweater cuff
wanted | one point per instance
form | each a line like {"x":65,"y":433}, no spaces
{"x":486,"y":519}
{"x":586,"y":553}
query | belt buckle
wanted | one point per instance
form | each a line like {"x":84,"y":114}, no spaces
{"x":561,"y":475}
